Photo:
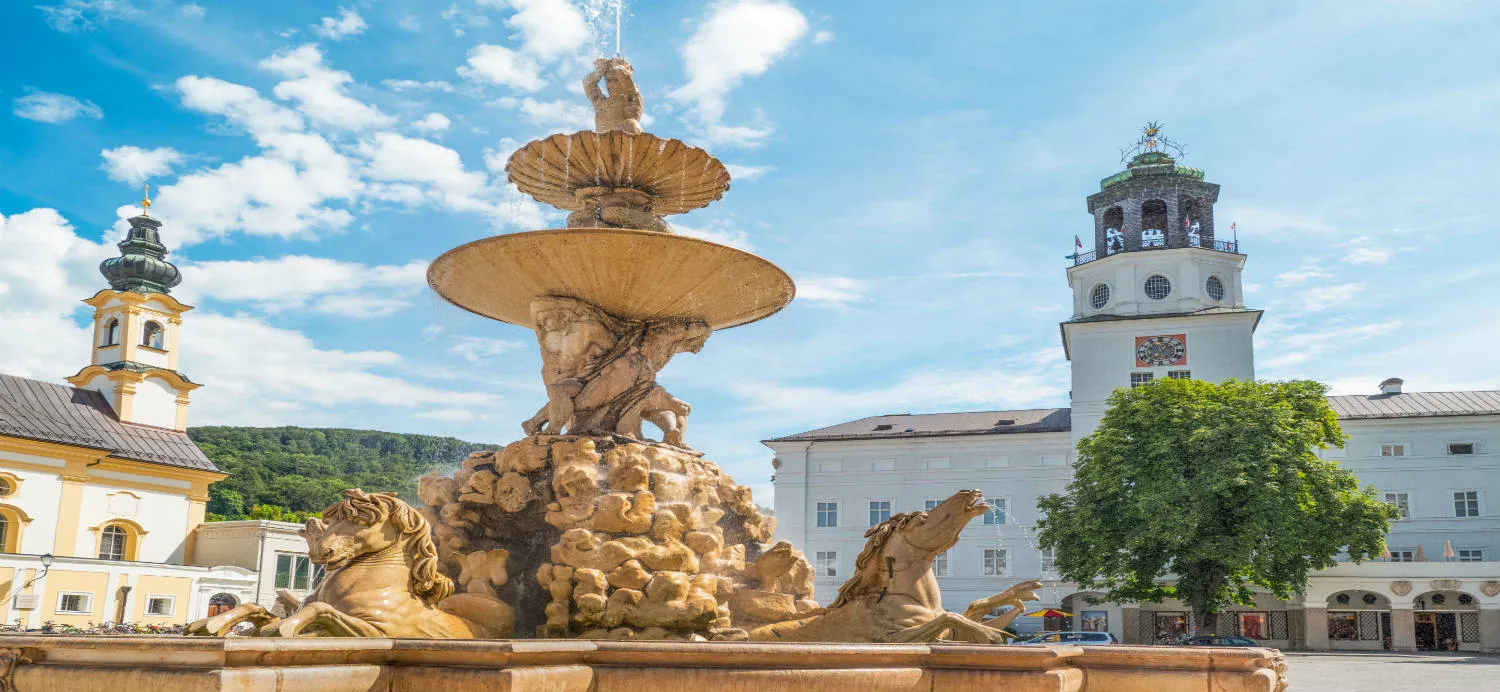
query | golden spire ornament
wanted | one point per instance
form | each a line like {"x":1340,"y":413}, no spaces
{"x":146,"y":200}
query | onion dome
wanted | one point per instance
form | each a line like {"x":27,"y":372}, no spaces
{"x":140,"y":267}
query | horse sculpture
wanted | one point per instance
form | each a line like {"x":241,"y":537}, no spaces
{"x":382,"y":581}
{"x":893,"y":595}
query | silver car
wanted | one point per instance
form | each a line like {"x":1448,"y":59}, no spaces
{"x":1079,"y":638}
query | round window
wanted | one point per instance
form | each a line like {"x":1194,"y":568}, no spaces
{"x":1439,"y":599}
{"x":1099,"y":296}
{"x":1342,"y":598}
{"x":6,"y":487}
{"x":1158,"y":287}
{"x":1215,"y":288}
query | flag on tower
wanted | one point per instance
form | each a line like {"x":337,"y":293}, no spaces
{"x":1077,"y":242}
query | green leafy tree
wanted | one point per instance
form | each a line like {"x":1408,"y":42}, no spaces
{"x":1200,"y":491}
{"x":225,"y":502}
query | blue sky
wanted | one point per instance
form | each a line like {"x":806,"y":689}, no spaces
{"x":921,"y":174}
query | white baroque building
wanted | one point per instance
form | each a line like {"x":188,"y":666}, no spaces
{"x":1161,"y":297}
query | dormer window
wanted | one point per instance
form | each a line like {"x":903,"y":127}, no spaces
{"x":154,"y":336}
{"x":111,"y":333}
{"x":882,"y":427}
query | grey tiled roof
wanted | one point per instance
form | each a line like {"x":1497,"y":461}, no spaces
{"x":906,"y":425}
{"x":1417,"y":404}
{"x":59,"y":413}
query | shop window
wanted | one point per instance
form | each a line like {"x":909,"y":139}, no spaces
{"x":1253,"y":625}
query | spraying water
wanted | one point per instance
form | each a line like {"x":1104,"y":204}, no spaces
{"x":600,"y":14}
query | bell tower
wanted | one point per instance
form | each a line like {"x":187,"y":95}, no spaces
{"x":136,"y":327}
{"x":1160,"y":294}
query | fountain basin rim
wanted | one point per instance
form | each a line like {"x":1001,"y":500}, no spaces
{"x":633,"y":274}
{"x":553,"y":168}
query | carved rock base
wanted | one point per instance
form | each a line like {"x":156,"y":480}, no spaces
{"x":605,"y":537}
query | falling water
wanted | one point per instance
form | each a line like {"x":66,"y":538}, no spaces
{"x":567,"y":162}
{"x":629,"y":160}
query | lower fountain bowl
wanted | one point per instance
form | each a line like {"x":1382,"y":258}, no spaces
{"x":640,"y":275}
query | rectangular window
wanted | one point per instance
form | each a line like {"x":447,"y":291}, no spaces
{"x":1139,"y":378}
{"x":1180,"y":374}
{"x":1049,"y":559}
{"x":69,"y":602}
{"x":317,"y":577}
{"x":1393,"y":450}
{"x":940,"y":565}
{"x":939,"y":463}
{"x":303,"y":573}
{"x":1399,"y":500}
{"x":928,"y":505}
{"x":161,"y":605}
{"x":826,"y":564}
{"x":828,"y":515}
{"x":880,"y":510}
{"x":1403,"y":555}
{"x":1470,"y":555}
{"x":995,"y":515}
{"x":1460,"y":447}
{"x":284,"y":570}
{"x":1466,"y":503}
{"x":995,"y":560}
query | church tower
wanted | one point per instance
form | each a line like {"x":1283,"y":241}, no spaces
{"x":1159,"y":295}
{"x":136,"y":329}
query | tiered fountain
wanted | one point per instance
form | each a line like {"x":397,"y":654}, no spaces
{"x":590,"y":540}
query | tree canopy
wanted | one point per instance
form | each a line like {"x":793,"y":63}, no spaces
{"x":291,"y":473}
{"x":1199,"y":491}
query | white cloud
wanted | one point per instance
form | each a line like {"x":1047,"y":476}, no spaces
{"x":722,"y":235}
{"x":410,"y":23}
{"x":348,"y":23}
{"x":823,"y":36}
{"x":85,"y":15}
{"x":477,"y":348}
{"x":48,"y":107}
{"x":44,"y":272}
{"x":563,"y":115}
{"x":240,"y":104}
{"x":395,"y":158}
{"x":135,"y":165}
{"x":1307,"y":272}
{"x":410,"y":84}
{"x":549,"y":28}
{"x":320,"y":91}
{"x":1365,"y":250}
{"x":294,"y":282}
{"x":448,"y":415}
{"x":1325,"y":297}
{"x":433,"y":122}
{"x":739,"y":38}
{"x":503,"y":66}
{"x":831,"y":290}
{"x":747,"y":173}
{"x":192,"y":10}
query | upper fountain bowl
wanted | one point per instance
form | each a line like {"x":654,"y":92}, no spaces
{"x":679,"y":178}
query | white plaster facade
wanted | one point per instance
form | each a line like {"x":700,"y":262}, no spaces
{"x":263,"y":547}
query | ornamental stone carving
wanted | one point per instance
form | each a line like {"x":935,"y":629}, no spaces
{"x":1490,"y":588}
{"x":10,"y":659}
{"x":1400,"y":588}
{"x":1446,"y":584}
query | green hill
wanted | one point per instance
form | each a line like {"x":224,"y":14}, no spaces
{"x":288,"y":473}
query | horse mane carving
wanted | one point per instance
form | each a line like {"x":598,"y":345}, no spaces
{"x":373,"y":508}
{"x":869,"y":577}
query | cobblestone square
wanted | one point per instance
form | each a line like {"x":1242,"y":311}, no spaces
{"x":1393,"y":672}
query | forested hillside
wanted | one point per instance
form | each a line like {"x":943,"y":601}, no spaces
{"x":290,"y":473}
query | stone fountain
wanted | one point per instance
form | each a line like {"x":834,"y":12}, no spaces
{"x":560,"y":561}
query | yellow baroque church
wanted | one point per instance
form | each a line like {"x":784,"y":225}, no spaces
{"x":101,"y":489}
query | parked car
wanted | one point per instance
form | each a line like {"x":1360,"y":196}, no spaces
{"x":1079,"y":638}
{"x":1216,"y":640}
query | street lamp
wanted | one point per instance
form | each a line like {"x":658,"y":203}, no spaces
{"x":47,"y":561}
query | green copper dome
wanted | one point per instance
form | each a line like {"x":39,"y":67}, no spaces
{"x":140,"y":267}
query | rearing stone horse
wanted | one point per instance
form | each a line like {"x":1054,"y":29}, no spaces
{"x":893,"y":595}
{"x":382,"y":581}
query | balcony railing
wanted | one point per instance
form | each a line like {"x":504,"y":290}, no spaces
{"x":1232,"y":246}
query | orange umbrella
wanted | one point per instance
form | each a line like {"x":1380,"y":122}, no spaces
{"x":1385,"y":553}
{"x":1447,"y":550}
{"x":1049,"y":613}
{"x":1421,"y":554}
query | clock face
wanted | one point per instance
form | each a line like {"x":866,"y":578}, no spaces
{"x":1156,"y":351}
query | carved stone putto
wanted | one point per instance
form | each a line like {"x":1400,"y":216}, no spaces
{"x":1400,"y":588}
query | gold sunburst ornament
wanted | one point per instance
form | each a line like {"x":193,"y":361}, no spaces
{"x":146,"y":199}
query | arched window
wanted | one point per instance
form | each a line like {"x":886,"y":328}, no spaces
{"x":1114,"y":220}
{"x":221,"y":602}
{"x":154,"y":336}
{"x":111,"y":333}
{"x":113,"y":542}
{"x":1153,"y":223}
{"x":4,"y":534}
